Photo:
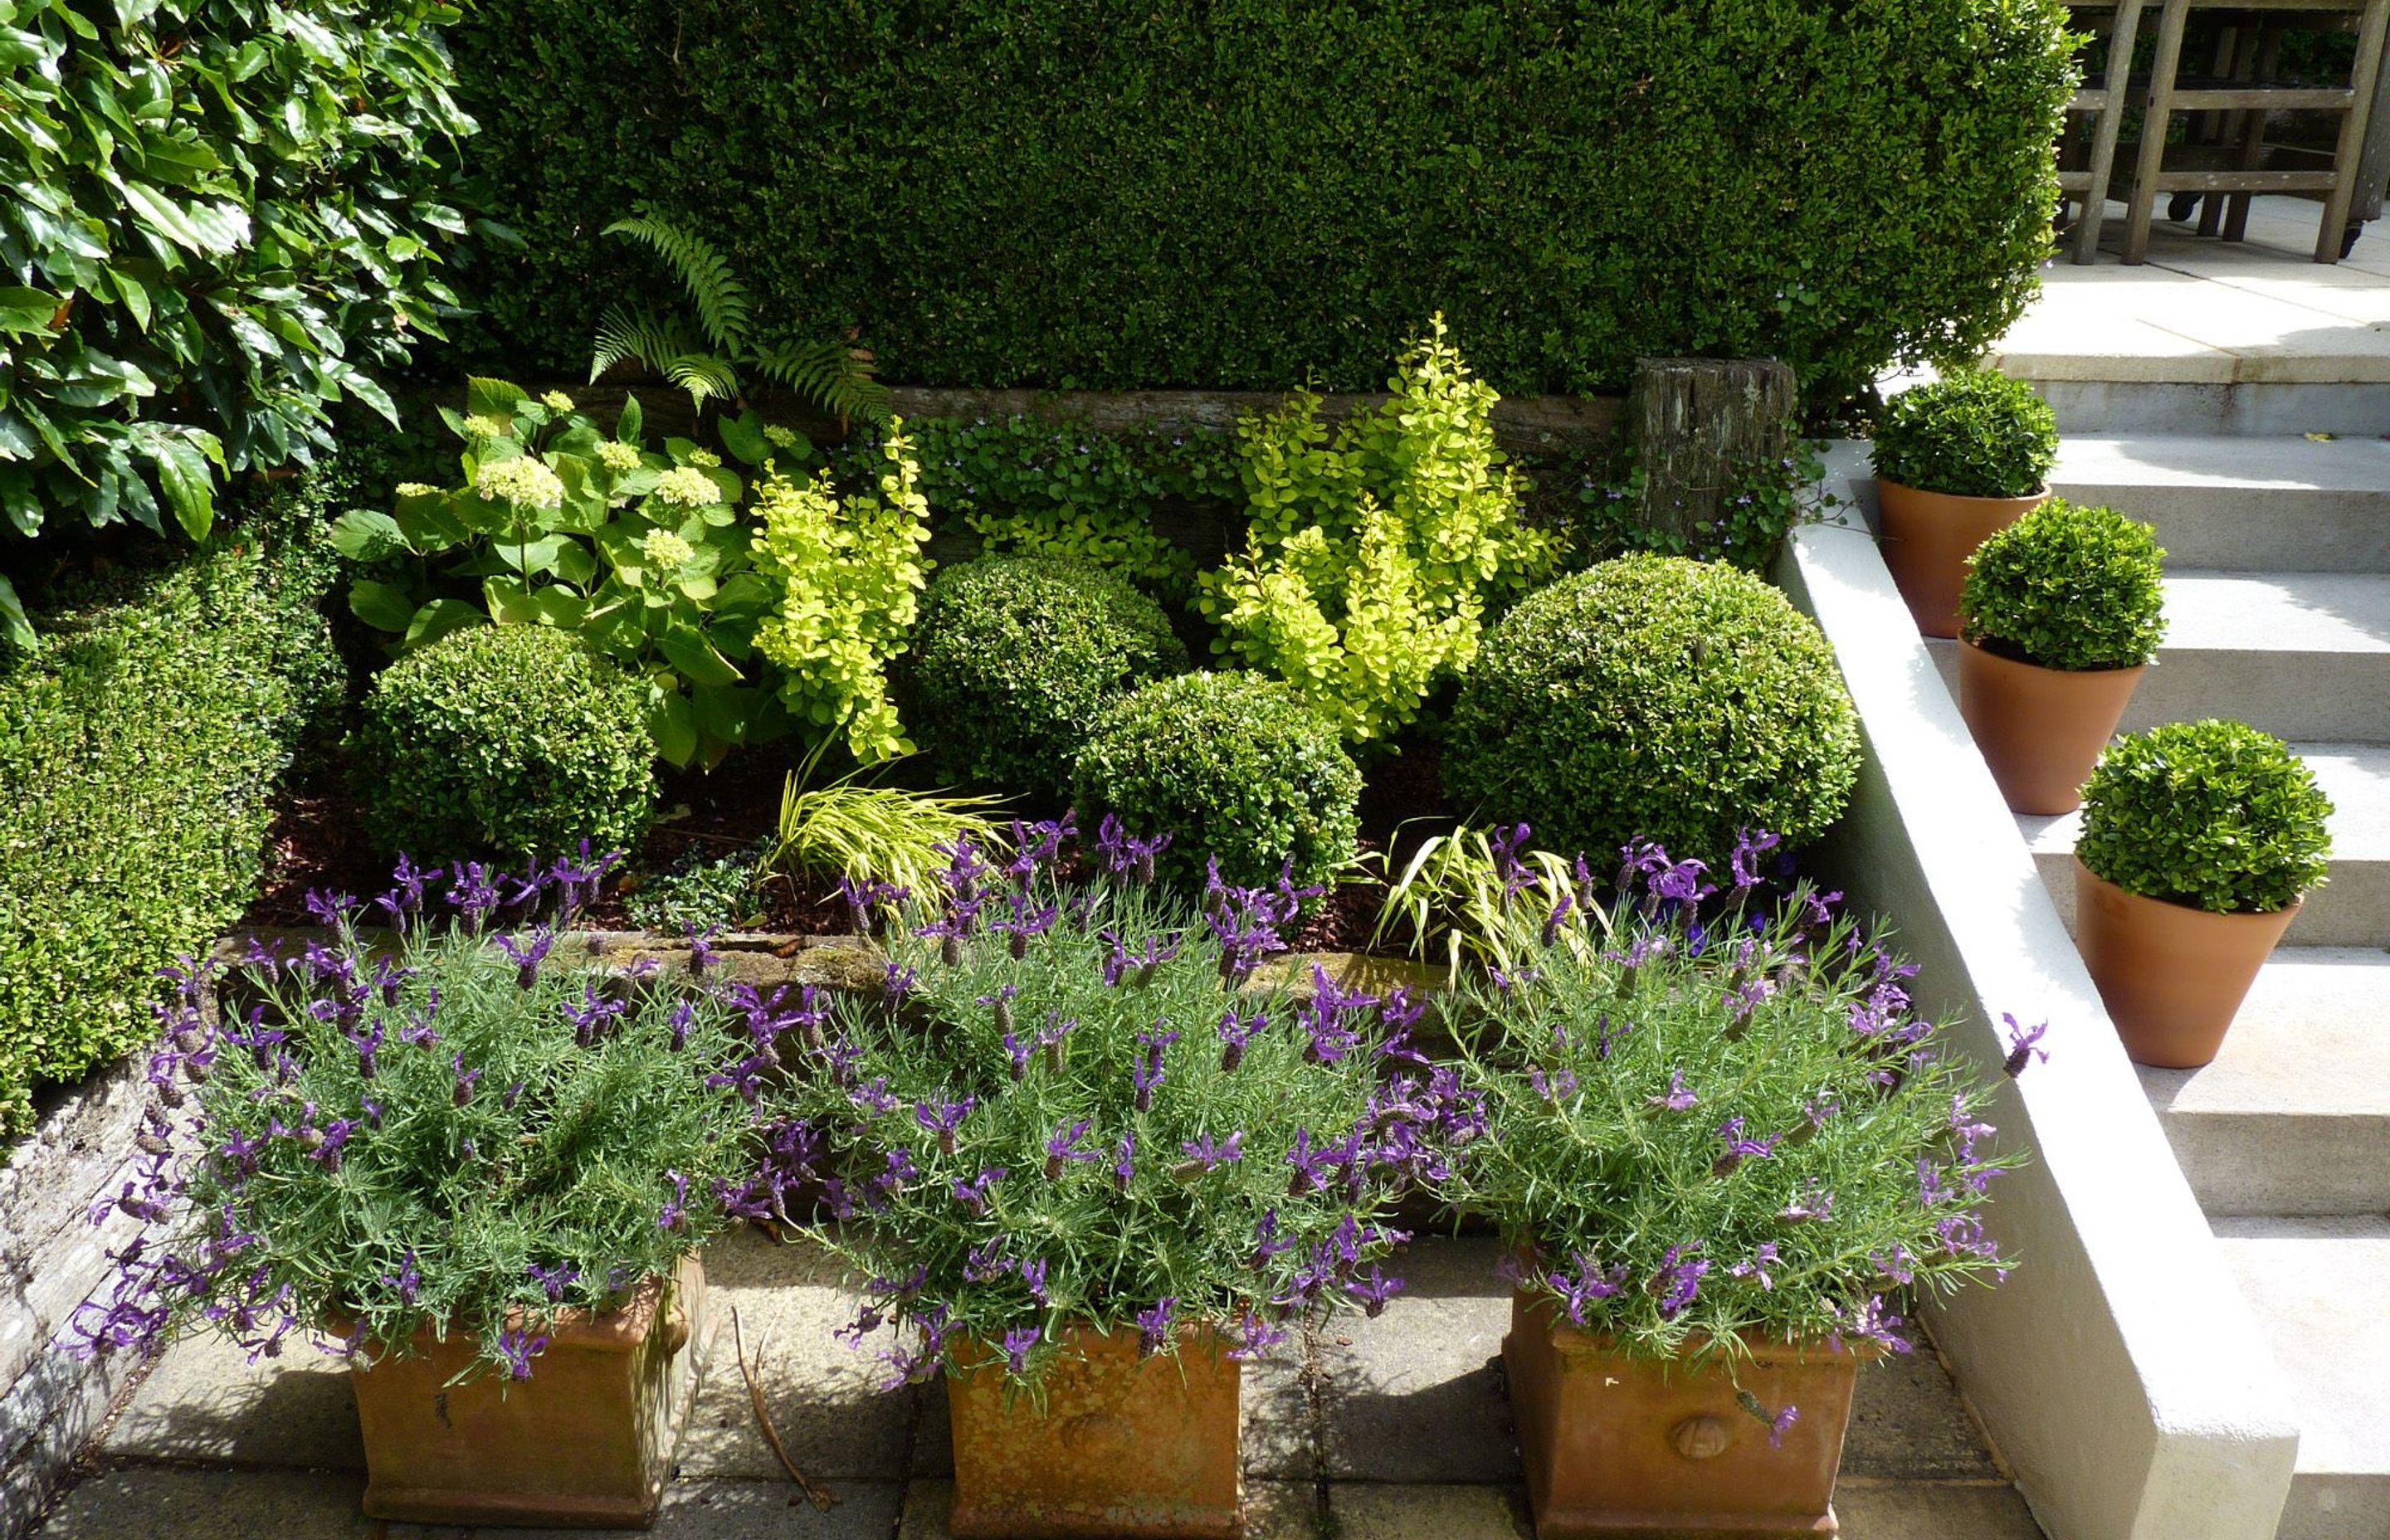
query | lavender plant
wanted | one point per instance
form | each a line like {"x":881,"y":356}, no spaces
{"x":1715,"y":1115}
{"x":386,"y":1130}
{"x":1073,"y":1108}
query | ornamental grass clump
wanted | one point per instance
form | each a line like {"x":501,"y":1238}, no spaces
{"x":1716,"y":1118}
{"x":2214,"y":814}
{"x":1971,"y":434}
{"x":1067,"y":1110}
{"x":355,"y":1140}
{"x":2067,"y":586}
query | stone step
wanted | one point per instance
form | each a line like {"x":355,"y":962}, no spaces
{"x":2303,"y":655}
{"x":2251,"y":408}
{"x":2352,"y":909}
{"x":2276,"y":504}
{"x":2294,"y":1117}
{"x":2320,"y":1288}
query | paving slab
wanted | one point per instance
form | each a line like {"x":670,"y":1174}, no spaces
{"x":1417,"y":1395}
{"x":1933,"y":1510}
{"x":205,"y":1401}
{"x":1367,"y":1511}
{"x":1908,"y":1422}
{"x":1274,"y":1510}
{"x":829,"y":1402}
{"x":218,"y":1503}
{"x":2278,"y":503}
{"x":740,"y":1510}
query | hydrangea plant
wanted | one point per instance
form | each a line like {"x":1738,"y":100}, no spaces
{"x":1072,"y":1109}
{"x":1715,"y":1115}
{"x":353,"y":1140}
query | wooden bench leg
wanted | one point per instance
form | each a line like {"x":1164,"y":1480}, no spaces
{"x":2157,"y":113}
{"x":2105,"y":130}
{"x":2351,"y":148}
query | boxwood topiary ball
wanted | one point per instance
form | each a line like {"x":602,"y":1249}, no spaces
{"x":2067,"y":586}
{"x":1013,"y":659}
{"x":506,"y":740}
{"x":1232,"y":766}
{"x":1972,"y":434}
{"x":1654,"y":698}
{"x":2214,"y":814}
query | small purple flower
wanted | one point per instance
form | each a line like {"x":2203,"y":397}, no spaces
{"x":1761,"y":1260}
{"x":553,"y":1281}
{"x":407,"y":1282}
{"x":1146,"y":1073}
{"x":1679,"y":1098}
{"x":1745,"y":862}
{"x":1740,"y":1149}
{"x":1373,"y":1291}
{"x":1590,"y":1283}
{"x":1063,"y":1148}
{"x":592,"y":1016}
{"x":1309,"y":1160}
{"x":517,"y":1347}
{"x":1034,"y":1275}
{"x":2022,"y":1046}
{"x":1814,"y":1203}
{"x":1260,"y":1335}
{"x":1124,"y":1162}
{"x":986,"y":1263}
{"x":1017,"y":1343}
{"x":462,"y":1092}
{"x":1028,"y":921}
{"x":1153,"y":1325}
{"x":526,"y":956}
{"x":1124,"y":853}
{"x":1201,"y":1151}
{"x":974,"y":1195}
{"x":1780,"y":1424}
{"x":701,"y":955}
{"x":1235,"y":1032}
{"x":942,"y":1118}
{"x":1267,"y":1242}
{"x":1875,"y":1322}
{"x":674,"y":1215}
{"x":898,"y":983}
{"x":1678,"y":1280}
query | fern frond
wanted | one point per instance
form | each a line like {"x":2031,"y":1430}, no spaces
{"x":638,"y":336}
{"x":841,"y":378}
{"x":704,"y":376}
{"x":720,"y":298}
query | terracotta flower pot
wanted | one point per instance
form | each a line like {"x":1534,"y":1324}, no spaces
{"x":2171,"y":976}
{"x":1927,"y":538}
{"x":585,"y":1442}
{"x":2041,"y":729}
{"x":1617,"y":1446}
{"x":1123,"y":1446}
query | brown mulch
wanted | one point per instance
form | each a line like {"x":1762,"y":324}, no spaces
{"x":317,"y":842}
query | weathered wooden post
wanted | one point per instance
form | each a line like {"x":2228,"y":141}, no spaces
{"x":1698,"y":428}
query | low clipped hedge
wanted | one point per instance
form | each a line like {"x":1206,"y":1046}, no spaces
{"x":2214,"y":814}
{"x":142,"y":740}
{"x":505,"y":740}
{"x":1656,"y":698}
{"x":1136,"y":194}
{"x":1013,"y":659}
{"x":2067,"y":586}
{"x":1233,"y":767}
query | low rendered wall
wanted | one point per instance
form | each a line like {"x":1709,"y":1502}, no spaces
{"x":2119,"y":1369}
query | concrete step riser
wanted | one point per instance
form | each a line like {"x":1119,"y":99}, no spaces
{"x":2281,"y":1162}
{"x":2112,"y":406}
{"x":2352,"y":909}
{"x":2251,"y":530}
{"x":2336,"y":697}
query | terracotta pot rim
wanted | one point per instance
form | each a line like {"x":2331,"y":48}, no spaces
{"x":2292,"y":907}
{"x":1547,"y":1309}
{"x":625,"y":1323}
{"x":2038,"y":495}
{"x":1202,"y":1337}
{"x":1981,"y":651}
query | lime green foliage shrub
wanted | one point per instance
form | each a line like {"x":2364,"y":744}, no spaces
{"x":2067,"y":586}
{"x":142,"y":739}
{"x":1228,"y":194}
{"x":1655,"y":697}
{"x":1372,"y":549}
{"x":1039,"y":487}
{"x":641,"y":553}
{"x":1014,"y":658}
{"x":2214,"y":814}
{"x":221,"y":215}
{"x":1230,"y":765}
{"x":1972,"y":434}
{"x":845,"y":575}
{"x":513,"y":740}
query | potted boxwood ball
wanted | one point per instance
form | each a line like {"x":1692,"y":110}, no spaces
{"x":480,"y":1180}
{"x":2060,"y":617}
{"x":2200,"y":841}
{"x":1956,"y":459}
{"x":1721,"y":1145}
{"x":1088,"y":1174}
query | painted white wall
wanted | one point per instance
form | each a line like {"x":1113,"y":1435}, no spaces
{"x":2119,"y":1369}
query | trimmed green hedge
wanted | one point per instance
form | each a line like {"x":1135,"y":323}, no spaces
{"x":1103,"y":194}
{"x":141,"y":743}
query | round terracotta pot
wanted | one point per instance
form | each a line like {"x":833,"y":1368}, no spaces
{"x":2171,"y":976}
{"x":2041,"y":730}
{"x":1927,"y":538}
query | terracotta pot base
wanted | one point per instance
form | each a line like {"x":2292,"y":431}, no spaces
{"x":1125,"y":1447}
{"x":1927,"y":538}
{"x":2041,"y":730}
{"x":1616,"y":1445}
{"x":585,"y":1442}
{"x":2172,"y":977}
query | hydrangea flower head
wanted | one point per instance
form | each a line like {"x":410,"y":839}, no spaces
{"x":520,"y":480}
{"x":686,"y":487}
{"x":618,"y":457}
{"x":664,"y":549}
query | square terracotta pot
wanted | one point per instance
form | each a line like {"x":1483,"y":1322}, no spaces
{"x":585,"y":1442}
{"x":1123,"y":1446}
{"x":1625,"y":1446}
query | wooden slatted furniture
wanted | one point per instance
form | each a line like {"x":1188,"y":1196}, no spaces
{"x":2238,"y":165}
{"x":2106,"y":104}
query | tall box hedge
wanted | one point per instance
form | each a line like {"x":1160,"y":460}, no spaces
{"x":1228,"y":193}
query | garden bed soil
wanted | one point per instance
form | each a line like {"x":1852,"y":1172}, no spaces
{"x":318,"y":842}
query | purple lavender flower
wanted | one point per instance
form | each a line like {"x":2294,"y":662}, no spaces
{"x":1260,"y":1335}
{"x":462,"y":1092}
{"x":1235,"y":1034}
{"x":1051,"y":1039}
{"x":405,"y":899}
{"x":1678,"y":1280}
{"x":1124,"y":853}
{"x":526,"y":956}
{"x":986,"y":1263}
{"x":1310,"y":1161}
{"x":674,"y":1215}
{"x":517,"y":1347}
{"x":942,"y":1118}
{"x":898,"y":983}
{"x":1034,"y":1275}
{"x":1027,"y":920}
{"x":1017,"y":1343}
{"x":1740,"y":1149}
{"x":592,"y":1016}
{"x":553,"y":1281}
{"x":1814,"y":1203}
{"x":406,"y":1281}
{"x":701,"y":955}
{"x":330,"y":909}
{"x":1267,"y":1242}
{"x":1781,"y":1423}
{"x":1154,"y":1325}
{"x":1373,"y":1291}
{"x":473,"y":891}
{"x":1745,"y":862}
{"x":1124,"y":1162}
{"x":1679,"y":1098}
{"x":2022,"y":1048}
{"x":577,"y":884}
{"x":1146,"y":1073}
{"x":973,"y":1194}
{"x":1063,"y":1148}
{"x":1210,"y":1155}
{"x":1761,"y":1260}
{"x":1591,"y":1282}
{"x":1876,"y":1322}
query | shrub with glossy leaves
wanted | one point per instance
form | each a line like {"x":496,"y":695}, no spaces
{"x":1654,"y":698}
{"x":2214,"y":814}
{"x":1013,"y":660}
{"x":1717,"y":1119}
{"x":1228,"y":766}
{"x":1972,"y":432}
{"x":2067,"y":586}
{"x":506,"y":740}
{"x":221,"y":215}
